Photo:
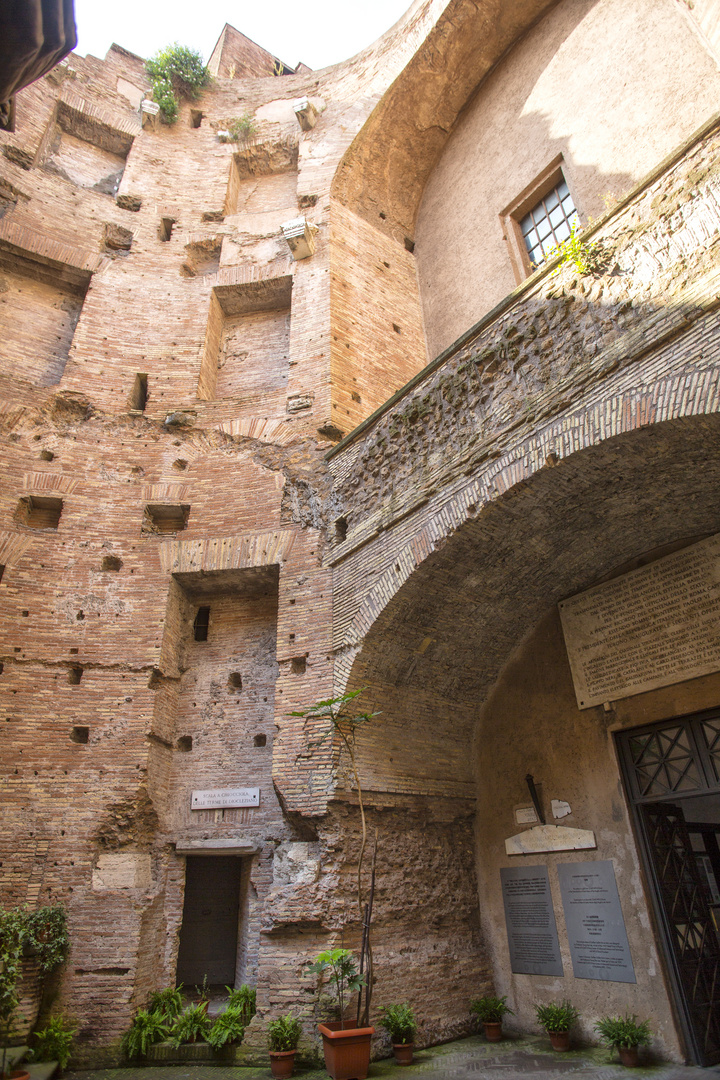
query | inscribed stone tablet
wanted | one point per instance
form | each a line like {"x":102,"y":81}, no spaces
{"x":657,"y":625}
{"x":225,"y":797}
{"x":530,"y":921}
{"x":595,"y":926}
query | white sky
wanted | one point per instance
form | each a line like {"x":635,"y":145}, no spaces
{"x":318,"y":32}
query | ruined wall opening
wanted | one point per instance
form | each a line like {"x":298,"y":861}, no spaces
{"x":40,"y":304}
{"x":247,"y":344}
{"x":85,"y":150}
{"x":213,"y":934}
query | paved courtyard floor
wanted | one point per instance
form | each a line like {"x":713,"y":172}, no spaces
{"x":524,"y":1058}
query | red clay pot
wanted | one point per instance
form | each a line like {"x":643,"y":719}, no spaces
{"x":493,"y":1031}
{"x":403,"y":1053}
{"x":628,"y":1056}
{"x":282,"y":1063}
{"x":559,"y":1040}
{"x":347,"y":1050}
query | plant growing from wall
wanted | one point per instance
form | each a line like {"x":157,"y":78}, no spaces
{"x":343,"y":722}
{"x":176,"y":72}
{"x":54,"y":1041}
{"x":582,"y":254}
{"x":229,"y":1027}
{"x":240,"y":129}
{"x":146,"y":1029}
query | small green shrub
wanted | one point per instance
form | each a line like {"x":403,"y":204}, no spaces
{"x":557,"y":1016}
{"x":167,"y":1003}
{"x":54,"y":1041}
{"x":239,"y":129}
{"x":176,"y":72}
{"x":284,"y":1033}
{"x":490,"y":1010}
{"x":190,"y":1025}
{"x":244,"y":998}
{"x":202,"y":992}
{"x":47,"y":936}
{"x":146,"y":1029}
{"x":399,"y":1022}
{"x":581,"y":254}
{"x":623,"y":1031}
{"x":229,"y":1027}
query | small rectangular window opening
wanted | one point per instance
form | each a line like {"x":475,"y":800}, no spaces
{"x":201,"y":624}
{"x":196,"y":118}
{"x":39,"y":513}
{"x":165,"y":228}
{"x":549,"y":223}
{"x":139,"y":393}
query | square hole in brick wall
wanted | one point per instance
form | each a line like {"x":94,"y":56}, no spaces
{"x":40,"y":304}
{"x":165,"y":518}
{"x":85,"y":150}
{"x":247,"y":345}
{"x":38,"y":512}
{"x":80,"y":734}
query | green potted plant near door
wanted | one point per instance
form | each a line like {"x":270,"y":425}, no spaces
{"x":399,"y":1022}
{"x":626,"y":1035}
{"x":490,"y":1011}
{"x":346,"y":1045}
{"x":557,"y":1018}
{"x":283,"y":1035}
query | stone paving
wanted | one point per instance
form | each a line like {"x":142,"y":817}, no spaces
{"x":465,"y":1059}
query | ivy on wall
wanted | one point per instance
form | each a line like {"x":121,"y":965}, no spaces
{"x":176,"y":72}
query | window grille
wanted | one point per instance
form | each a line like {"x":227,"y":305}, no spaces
{"x":549,"y":223}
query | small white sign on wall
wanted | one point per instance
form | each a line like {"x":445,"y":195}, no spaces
{"x":225,"y":797}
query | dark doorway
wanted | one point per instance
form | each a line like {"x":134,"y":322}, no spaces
{"x":672,"y":776}
{"x":209,"y":931}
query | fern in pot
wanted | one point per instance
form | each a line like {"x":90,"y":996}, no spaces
{"x":283,"y":1036}
{"x":625,"y":1034}
{"x":557,"y":1018}
{"x":399,"y":1022}
{"x":490,"y":1011}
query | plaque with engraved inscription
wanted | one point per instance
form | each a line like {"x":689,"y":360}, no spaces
{"x":595,"y":926}
{"x":657,"y":625}
{"x":530,"y":921}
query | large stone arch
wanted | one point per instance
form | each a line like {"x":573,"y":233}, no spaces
{"x":445,"y":658}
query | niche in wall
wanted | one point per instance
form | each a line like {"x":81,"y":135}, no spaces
{"x":86,"y":150}
{"x":40,"y":304}
{"x":247,"y":343}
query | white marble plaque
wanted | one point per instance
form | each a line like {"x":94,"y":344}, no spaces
{"x":657,"y":625}
{"x":230,"y":797}
{"x":549,"y":838}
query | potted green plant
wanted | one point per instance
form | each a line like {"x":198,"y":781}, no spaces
{"x":146,"y":1029}
{"x":399,"y":1022}
{"x":243,"y":998}
{"x":167,"y":1003}
{"x":190,"y":1026}
{"x":346,"y":1045}
{"x":13,"y":934}
{"x":490,"y":1011}
{"x":229,"y":1027}
{"x":625,"y":1034}
{"x":283,"y":1035}
{"x":202,"y":994}
{"x":54,"y":1042}
{"x":557,"y":1018}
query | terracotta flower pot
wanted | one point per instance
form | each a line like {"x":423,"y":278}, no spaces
{"x":403,"y":1053}
{"x":559,"y":1040}
{"x":493,"y":1030}
{"x":282,"y":1063}
{"x":347,"y":1050}
{"x":628,"y":1056}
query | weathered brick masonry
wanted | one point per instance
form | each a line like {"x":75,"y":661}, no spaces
{"x":172,"y":389}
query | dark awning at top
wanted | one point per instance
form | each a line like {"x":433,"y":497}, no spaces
{"x":35,"y":35}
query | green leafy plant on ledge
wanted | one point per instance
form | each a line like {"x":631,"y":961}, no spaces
{"x":240,"y":129}
{"x":581,"y":254}
{"x":176,"y":72}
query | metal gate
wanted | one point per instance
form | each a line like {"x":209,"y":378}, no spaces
{"x":666,"y":767}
